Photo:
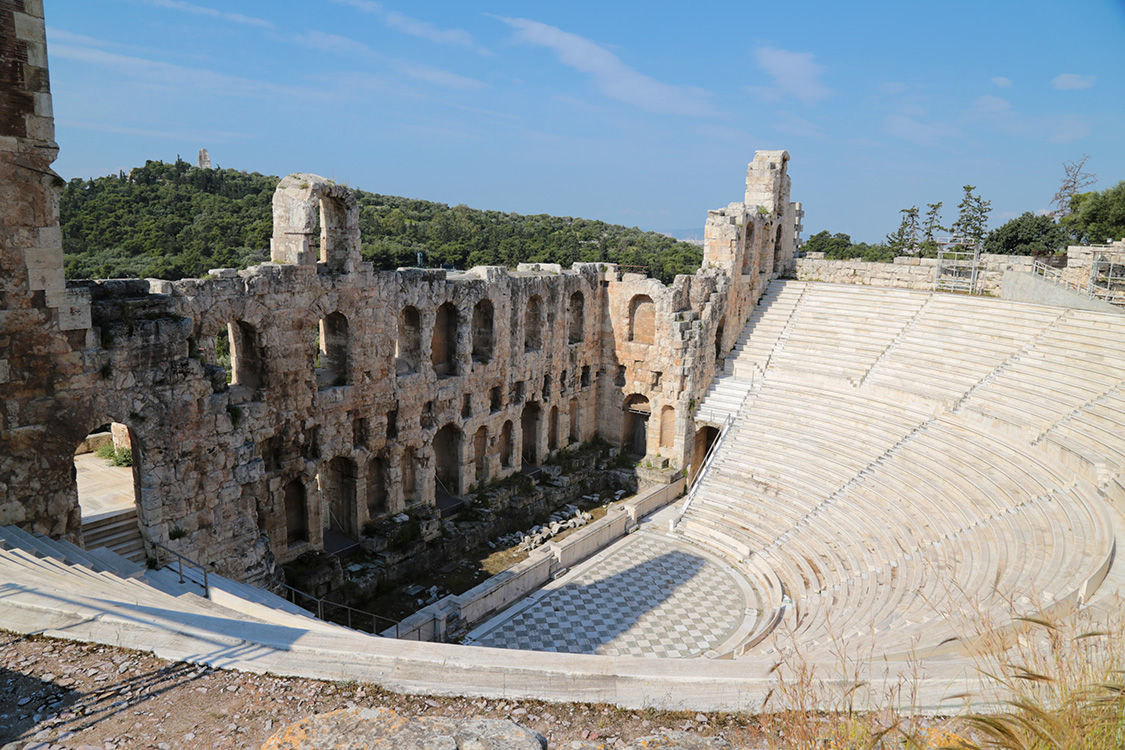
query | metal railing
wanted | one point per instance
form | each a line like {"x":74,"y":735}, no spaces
{"x":351,"y":615}
{"x":1086,"y":286}
{"x":709,"y":457}
{"x":704,"y":465}
{"x":180,"y":560}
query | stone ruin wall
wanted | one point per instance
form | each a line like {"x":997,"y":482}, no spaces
{"x":905,"y":272}
{"x":355,"y":394}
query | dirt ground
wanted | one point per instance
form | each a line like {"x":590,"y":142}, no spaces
{"x":58,"y":694}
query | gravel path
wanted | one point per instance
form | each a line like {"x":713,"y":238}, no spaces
{"x":58,"y":694}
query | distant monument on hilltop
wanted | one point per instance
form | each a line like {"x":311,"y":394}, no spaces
{"x":204,"y":159}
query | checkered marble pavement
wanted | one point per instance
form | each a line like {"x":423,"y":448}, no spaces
{"x":651,"y":596}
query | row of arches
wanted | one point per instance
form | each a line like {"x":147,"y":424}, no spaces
{"x":239,"y":351}
{"x":347,"y":486}
{"x":447,"y":322}
{"x":770,"y":257}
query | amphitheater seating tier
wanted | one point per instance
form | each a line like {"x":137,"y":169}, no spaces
{"x":909,"y":462}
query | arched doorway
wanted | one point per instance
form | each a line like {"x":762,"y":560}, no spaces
{"x":575,"y":431}
{"x":443,"y":352}
{"x":480,"y":458}
{"x":506,"y":445}
{"x":107,"y":472}
{"x":337,"y":482}
{"x":553,"y":430}
{"x":704,"y":438}
{"x":577,"y":318}
{"x":296,"y":513}
{"x":634,"y":432}
{"x":529,"y":422}
{"x":376,"y":487}
{"x":447,"y":460}
{"x":408,"y":346}
{"x":482,"y":331}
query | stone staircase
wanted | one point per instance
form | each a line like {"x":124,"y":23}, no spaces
{"x":52,"y":585}
{"x":118,"y":532}
{"x":723,"y":399}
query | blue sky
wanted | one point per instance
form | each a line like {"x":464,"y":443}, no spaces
{"x":643,"y":114}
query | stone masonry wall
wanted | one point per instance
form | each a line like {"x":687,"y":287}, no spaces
{"x":350,"y":394}
{"x":904,"y":272}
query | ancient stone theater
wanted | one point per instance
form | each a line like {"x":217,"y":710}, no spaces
{"x":834,"y":457}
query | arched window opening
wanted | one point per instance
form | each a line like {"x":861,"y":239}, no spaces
{"x":296,"y":513}
{"x":443,"y":352}
{"x":376,"y":487}
{"x":506,"y":445}
{"x":719,"y":343}
{"x":553,"y":430}
{"x":533,"y":324}
{"x":447,"y":461}
{"x":107,"y":473}
{"x":777,"y":249}
{"x":634,"y":433}
{"x":332,"y":367}
{"x":408,"y":345}
{"x":642,"y":319}
{"x":246,"y":360}
{"x":704,"y":438}
{"x":577,"y":317}
{"x":748,"y":248}
{"x":482,"y":332}
{"x":333,"y":233}
{"x":222,"y":354}
{"x":337,"y":481}
{"x":480,"y":448}
{"x":409,"y":471}
{"x":575,"y":435}
{"x":667,"y":427}
{"x":529,"y":423}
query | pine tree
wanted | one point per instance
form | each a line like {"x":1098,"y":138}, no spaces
{"x":973,"y":218}
{"x":904,"y":240}
{"x":930,"y":227}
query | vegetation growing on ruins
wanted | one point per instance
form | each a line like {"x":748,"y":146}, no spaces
{"x":173,"y":220}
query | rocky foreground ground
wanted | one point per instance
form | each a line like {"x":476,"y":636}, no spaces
{"x":58,"y":694}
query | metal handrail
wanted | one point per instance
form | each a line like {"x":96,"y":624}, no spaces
{"x":708,"y":458}
{"x":320,"y":604}
{"x":180,"y":560}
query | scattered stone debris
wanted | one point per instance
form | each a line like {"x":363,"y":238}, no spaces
{"x":570,"y":517}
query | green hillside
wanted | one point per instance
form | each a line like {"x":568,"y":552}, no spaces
{"x":172,"y":221}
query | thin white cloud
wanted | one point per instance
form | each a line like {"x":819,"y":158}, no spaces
{"x":172,"y":135}
{"x":427,"y":30}
{"x":1072,"y":82}
{"x":610,"y":75}
{"x":171,"y":77}
{"x":199,"y":10}
{"x":413,"y":26}
{"x":992,"y":106}
{"x":1068,"y":130}
{"x":795,"y":74}
{"x":911,"y":128}
{"x":337,"y":44}
{"x":1001,"y":82}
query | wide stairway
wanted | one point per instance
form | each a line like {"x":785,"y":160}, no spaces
{"x":52,"y":587}
{"x":917,"y":468}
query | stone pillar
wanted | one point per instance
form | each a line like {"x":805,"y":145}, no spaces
{"x":41,"y":322}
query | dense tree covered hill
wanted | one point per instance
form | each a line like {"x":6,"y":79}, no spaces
{"x":174,"y":220}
